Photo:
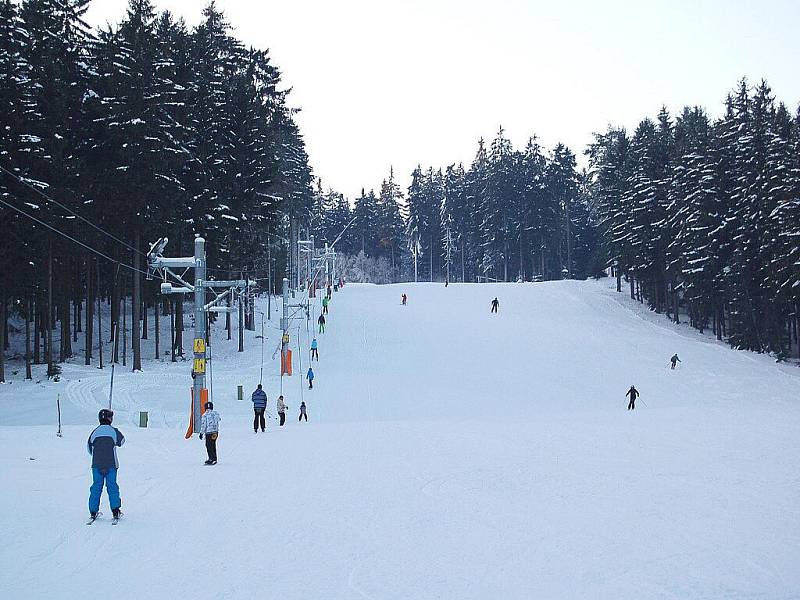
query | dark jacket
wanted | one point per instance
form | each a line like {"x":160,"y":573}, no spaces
{"x":259,"y":399}
{"x":102,"y":445}
{"x":633,"y":393}
{"x":321,"y":320}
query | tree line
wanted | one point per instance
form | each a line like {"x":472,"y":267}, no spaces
{"x":700,"y":217}
{"x":118,"y":136}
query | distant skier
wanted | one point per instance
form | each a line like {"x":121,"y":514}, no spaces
{"x":209,"y":427}
{"x":282,"y":410}
{"x":633,"y":393}
{"x":102,"y":446}
{"x":404,"y":298}
{"x":329,"y":291}
{"x":314,"y":350}
{"x":310,"y":377}
{"x":325,"y":302}
{"x":446,"y":282}
{"x":259,"y":399}
{"x":495,"y":305}
{"x":303,"y":414}
{"x":674,"y":360}
{"x":321,"y":322}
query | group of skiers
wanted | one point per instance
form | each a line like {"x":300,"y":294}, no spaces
{"x":105,"y":439}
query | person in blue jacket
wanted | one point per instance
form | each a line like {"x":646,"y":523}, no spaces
{"x":314,"y":349}
{"x":259,"y":399}
{"x":102,"y":446}
{"x":310,"y":377}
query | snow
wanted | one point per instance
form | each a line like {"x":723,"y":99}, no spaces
{"x":450,"y":453}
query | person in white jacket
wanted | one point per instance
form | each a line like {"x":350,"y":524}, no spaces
{"x":209,"y":427}
{"x":281,"y":410}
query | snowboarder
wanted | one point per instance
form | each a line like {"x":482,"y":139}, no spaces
{"x":633,"y":393}
{"x":674,"y":360}
{"x":209,"y":426}
{"x":325,"y":306}
{"x":310,"y":377}
{"x":321,"y":322}
{"x":281,"y":410}
{"x":495,"y":305}
{"x":303,"y":414}
{"x":404,"y":298}
{"x":314,"y":350}
{"x":102,"y":446}
{"x":259,"y":399}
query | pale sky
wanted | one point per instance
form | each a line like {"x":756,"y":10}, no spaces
{"x":399,"y":83}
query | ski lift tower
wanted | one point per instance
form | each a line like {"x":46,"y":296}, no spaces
{"x":167,"y":268}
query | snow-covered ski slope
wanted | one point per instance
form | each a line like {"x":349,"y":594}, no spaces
{"x":450,"y":453}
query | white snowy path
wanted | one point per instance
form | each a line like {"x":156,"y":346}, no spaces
{"x":450,"y":453}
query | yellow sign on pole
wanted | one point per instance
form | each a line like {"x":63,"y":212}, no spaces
{"x":199,"y":346}
{"x":285,"y":338}
{"x":199,"y":365}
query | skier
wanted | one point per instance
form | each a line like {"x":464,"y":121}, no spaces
{"x":674,"y":360}
{"x":633,"y":393}
{"x":404,"y":298}
{"x":325,"y":306}
{"x":281,"y":410}
{"x":209,"y":426}
{"x":310,"y":377}
{"x":329,"y":291}
{"x":303,"y":414}
{"x":314,"y":350}
{"x":321,"y":322}
{"x":495,"y":305}
{"x":259,"y":399}
{"x":102,"y":446}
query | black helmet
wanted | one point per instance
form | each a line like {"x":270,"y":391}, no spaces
{"x":209,"y":406}
{"x":105,"y":416}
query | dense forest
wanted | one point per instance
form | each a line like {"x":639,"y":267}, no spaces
{"x":113,"y":138}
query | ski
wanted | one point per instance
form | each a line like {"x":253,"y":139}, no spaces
{"x":94,"y":518}
{"x":116,"y":518}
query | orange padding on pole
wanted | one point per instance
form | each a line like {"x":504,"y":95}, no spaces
{"x":203,"y":400}
{"x":286,"y":363}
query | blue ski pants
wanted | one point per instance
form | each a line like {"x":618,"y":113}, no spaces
{"x":110,"y":479}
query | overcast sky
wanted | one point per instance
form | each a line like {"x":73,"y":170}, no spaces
{"x":419,"y":81}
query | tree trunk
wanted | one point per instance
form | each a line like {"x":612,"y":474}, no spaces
{"x":99,"y":315}
{"x":37,"y":329}
{"x":124,"y":320}
{"x":28,"y":314}
{"x":3,"y":303}
{"x":49,"y":321}
{"x":137,"y":305}
{"x":144,"y":315}
{"x":66,"y":337}
{"x":241,"y":327}
{"x":172,"y":328}
{"x":228,"y":318}
{"x":89,"y":313}
{"x":179,"y":325}
{"x":157,"y":327}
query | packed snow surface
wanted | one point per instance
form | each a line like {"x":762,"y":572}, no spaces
{"x":449,"y":453}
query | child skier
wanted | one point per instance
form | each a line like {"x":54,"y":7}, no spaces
{"x":314,"y":350}
{"x":209,"y":426}
{"x":102,"y":447}
{"x":310,"y":377}
{"x":281,"y":410}
{"x":321,"y":322}
{"x":633,"y":393}
{"x":674,"y":360}
{"x":259,"y":399}
{"x":495,"y":305}
{"x":303,"y":414}
{"x":325,"y":302}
